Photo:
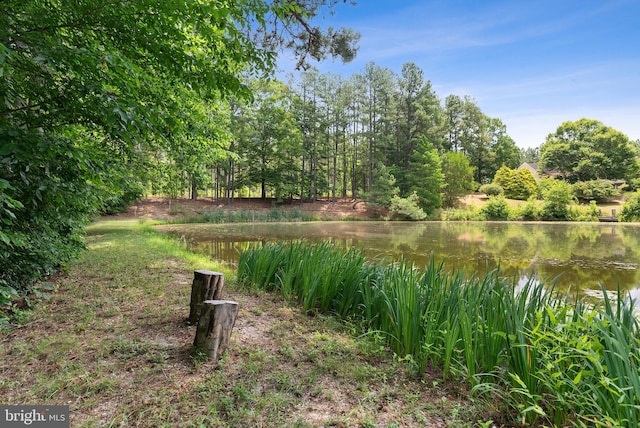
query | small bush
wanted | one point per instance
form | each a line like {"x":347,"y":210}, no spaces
{"x":407,"y":207}
{"x":633,"y":185}
{"x":496,"y":208}
{"x":594,"y":190}
{"x":558,"y":196}
{"x":491,"y":189}
{"x":585,"y":212}
{"x":471,"y":213}
{"x":631,"y":209}
{"x":529,"y":211}
{"x":517,"y":183}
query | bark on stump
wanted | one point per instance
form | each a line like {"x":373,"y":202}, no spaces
{"x":207,"y":285}
{"x":213,"y":333}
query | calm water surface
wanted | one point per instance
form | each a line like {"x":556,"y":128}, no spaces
{"x":580,"y":256}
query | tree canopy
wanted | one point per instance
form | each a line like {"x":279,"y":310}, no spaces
{"x":97,"y":95}
{"x":589,"y":150}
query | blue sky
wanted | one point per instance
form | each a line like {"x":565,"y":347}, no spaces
{"x":532,"y":63}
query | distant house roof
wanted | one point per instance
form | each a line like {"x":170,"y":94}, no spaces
{"x":533,"y":167}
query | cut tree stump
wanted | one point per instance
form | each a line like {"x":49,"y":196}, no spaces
{"x":207,"y":285}
{"x":213,"y":333}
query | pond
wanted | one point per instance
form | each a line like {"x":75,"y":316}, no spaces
{"x":579,"y":256}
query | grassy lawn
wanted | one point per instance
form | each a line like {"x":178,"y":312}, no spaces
{"x":114,"y":345}
{"x":479,"y":200}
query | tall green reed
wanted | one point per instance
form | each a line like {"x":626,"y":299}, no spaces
{"x":547,"y":359}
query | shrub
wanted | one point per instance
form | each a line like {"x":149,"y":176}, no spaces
{"x":558,"y":195}
{"x":517,"y":183}
{"x":491,"y":189}
{"x":633,"y":185}
{"x":631,"y":209}
{"x":471,"y":213}
{"x":407,"y":207}
{"x":496,"y":208}
{"x":383,"y":188}
{"x":585,"y":212}
{"x":529,"y":211}
{"x":594,"y":190}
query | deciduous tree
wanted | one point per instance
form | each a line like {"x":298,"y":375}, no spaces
{"x":86,"y":85}
{"x":458,"y":177}
{"x":588,"y":150}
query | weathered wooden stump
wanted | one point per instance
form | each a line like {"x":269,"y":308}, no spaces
{"x":213,"y":333}
{"x":207,"y":285}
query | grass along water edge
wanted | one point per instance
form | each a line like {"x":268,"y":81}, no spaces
{"x":113,"y":344}
{"x":532,"y":348}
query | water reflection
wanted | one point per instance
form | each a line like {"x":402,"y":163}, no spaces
{"x":580,"y":256}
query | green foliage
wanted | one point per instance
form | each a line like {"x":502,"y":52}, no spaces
{"x":249,"y":216}
{"x":471,"y":213}
{"x":530,"y":155}
{"x":99,"y":97}
{"x":269,"y":143}
{"x":517,"y":183}
{"x":584,"y":212}
{"x":633,"y":184}
{"x":588,"y":150}
{"x":491,"y":189}
{"x":557,"y":198}
{"x":496,"y":208}
{"x":631,"y":208}
{"x":529,"y":211}
{"x":426,"y":176}
{"x":533,"y":353}
{"x":407,"y":208}
{"x":504,"y":148}
{"x":458,"y":177}
{"x":594,"y":190}
{"x":383,"y":188}
{"x":46,"y":200}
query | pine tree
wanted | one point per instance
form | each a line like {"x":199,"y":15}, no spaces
{"x":425,"y":176}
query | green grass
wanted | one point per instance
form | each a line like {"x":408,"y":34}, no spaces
{"x":113,"y":344}
{"x":248,"y":216}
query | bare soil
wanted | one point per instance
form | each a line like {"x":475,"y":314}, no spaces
{"x":158,"y":208}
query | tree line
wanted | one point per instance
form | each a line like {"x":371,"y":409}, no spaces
{"x":103,"y":102}
{"x":100,"y":98}
{"x":322,"y":135}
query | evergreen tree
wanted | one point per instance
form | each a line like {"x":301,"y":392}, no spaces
{"x":425,"y":175}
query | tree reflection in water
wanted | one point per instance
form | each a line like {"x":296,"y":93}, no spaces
{"x":576,"y":256}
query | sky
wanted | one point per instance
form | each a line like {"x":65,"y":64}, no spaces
{"x":534,"y":64}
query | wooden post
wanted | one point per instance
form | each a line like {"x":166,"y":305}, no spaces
{"x":207,"y":285}
{"x":213,"y":333}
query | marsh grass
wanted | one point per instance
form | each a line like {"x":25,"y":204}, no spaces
{"x":549,"y":359}
{"x":276,"y":214}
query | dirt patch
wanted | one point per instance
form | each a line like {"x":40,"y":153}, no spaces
{"x":158,"y":208}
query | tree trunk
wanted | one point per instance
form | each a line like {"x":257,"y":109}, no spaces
{"x":194,"y":190}
{"x":207,"y":285}
{"x":214,"y":327}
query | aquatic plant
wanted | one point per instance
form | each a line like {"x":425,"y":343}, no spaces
{"x":549,"y":359}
